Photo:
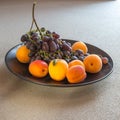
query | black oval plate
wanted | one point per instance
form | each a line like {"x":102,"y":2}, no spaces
{"x":21,"y":70}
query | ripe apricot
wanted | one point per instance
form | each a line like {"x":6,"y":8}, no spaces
{"x":93,"y":63}
{"x":22,"y":54}
{"x":76,"y":62}
{"x":76,"y":74}
{"x":80,"y":45}
{"x":38,"y":68}
{"x":57,"y":69}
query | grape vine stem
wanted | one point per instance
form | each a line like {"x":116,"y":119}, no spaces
{"x":34,"y":20}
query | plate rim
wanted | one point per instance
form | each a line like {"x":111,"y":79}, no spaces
{"x":60,"y":85}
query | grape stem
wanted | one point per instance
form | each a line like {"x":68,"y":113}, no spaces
{"x":34,"y":20}
{"x":31,"y":26}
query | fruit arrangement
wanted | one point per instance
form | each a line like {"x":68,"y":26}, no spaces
{"x":46,"y":53}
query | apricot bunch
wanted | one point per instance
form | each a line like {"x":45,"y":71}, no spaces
{"x":58,"y":69}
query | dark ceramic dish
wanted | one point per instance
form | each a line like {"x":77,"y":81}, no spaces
{"x":21,"y":70}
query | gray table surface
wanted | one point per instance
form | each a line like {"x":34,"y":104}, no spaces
{"x":93,"y":21}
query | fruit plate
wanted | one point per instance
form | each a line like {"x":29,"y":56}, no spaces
{"x":21,"y":70}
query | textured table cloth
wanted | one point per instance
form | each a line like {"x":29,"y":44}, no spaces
{"x":96,"y":22}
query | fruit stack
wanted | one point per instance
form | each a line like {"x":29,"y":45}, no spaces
{"x":46,"y":53}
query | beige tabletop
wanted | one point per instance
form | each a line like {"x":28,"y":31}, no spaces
{"x":96,"y":22}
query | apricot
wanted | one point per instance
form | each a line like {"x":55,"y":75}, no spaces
{"x":93,"y":63}
{"x":38,"y":68}
{"x":22,"y":54}
{"x":58,"y":69}
{"x":76,"y":62}
{"x":76,"y":74}
{"x":80,"y":45}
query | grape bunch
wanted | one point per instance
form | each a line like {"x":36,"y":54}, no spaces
{"x":46,"y":45}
